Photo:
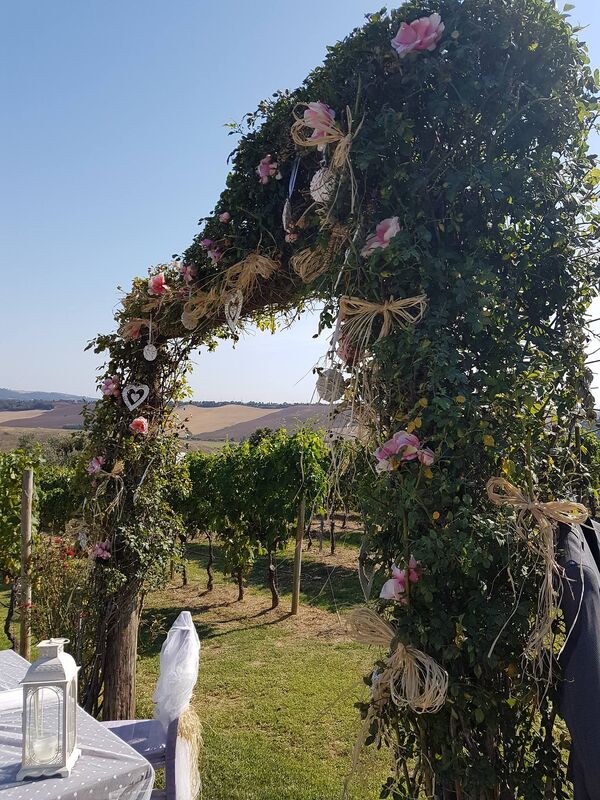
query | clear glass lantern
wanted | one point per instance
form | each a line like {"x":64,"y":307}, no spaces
{"x":50,"y":713}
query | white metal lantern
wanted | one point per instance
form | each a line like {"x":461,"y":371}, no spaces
{"x":50,"y":713}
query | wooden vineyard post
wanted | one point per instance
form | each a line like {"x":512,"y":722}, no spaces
{"x":25,"y":599}
{"x":298,"y":557}
{"x":321,"y":530}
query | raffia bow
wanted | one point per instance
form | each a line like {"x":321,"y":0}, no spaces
{"x":358,"y":316}
{"x":409,"y":679}
{"x":311,"y":262}
{"x":246,"y":274}
{"x":200,"y":304}
{"x":546,"y":516}
{"x":503,"y":493}
{"x":330,"y":134}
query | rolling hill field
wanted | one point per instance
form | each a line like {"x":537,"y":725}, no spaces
{"x":63,"y":416}
{"x":205,"y":427}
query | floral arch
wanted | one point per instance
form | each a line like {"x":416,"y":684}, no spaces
{"x":431,"y":184}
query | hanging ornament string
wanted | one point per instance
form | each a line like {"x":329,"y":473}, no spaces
{"x":287,"y":216}
{"x":150,"y":352}
{"x":546,"y":516}
{"x":293,"y":176}
{"x":336,"y":463}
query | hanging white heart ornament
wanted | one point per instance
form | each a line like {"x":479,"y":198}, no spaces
{"x":322,"y":185}
{"x":134,"y":395}
{"x":150,"y":352}
{"x":233,"y":310}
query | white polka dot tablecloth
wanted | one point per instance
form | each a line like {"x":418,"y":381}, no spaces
{"x":12,"y":669}
{"x":107,"y":769}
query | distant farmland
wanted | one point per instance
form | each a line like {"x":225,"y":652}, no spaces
{"x":204,"y":427}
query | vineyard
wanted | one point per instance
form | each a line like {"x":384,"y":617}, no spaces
{"x":243,"y":502}
{"x":232,"y":565}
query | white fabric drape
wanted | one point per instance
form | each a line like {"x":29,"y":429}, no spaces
{"x":179,"y":664}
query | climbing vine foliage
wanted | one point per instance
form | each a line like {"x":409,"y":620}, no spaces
{"x":451,"y":237}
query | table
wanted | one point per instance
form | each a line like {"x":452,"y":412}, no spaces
{"x":107,"y":769}
{"x":12,"y":669}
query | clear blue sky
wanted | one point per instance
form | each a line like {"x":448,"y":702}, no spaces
{"x":113,"y":146}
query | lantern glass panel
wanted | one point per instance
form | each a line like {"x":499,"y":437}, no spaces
{"x":45,"y":725}
{"x":71,"y":710}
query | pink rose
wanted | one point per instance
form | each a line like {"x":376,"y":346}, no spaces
{"x":291,"y":237}
{"x":157,"y":284}
{"x":403,"y":446}
{"x":206,"y":243}
{"x":426,"y":456}
{"x":101,"y":550}
{"x":139,"y":425}
{"x":95,"y":465}
{"x":349,"y":354}
{"x":215,"y":255}
{"x":414,"y":570}
{"x":394,"y":588}
{"x":225,"y":217}
{"x":386,"y":451}
{"x":422,"y":34}
{"x":408,"y":445}
{"x":320,"y":117}
{"x":384,"y":233}
{"x":188,"y":272}
{"x":110,"y":387}
{"x":266,"y":169}
{"x":402,"y":443}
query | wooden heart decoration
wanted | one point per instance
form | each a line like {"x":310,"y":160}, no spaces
{"x":233,"y":310}
{"x":134,"y":395}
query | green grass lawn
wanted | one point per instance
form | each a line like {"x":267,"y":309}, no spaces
{"x":275,"y":693}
